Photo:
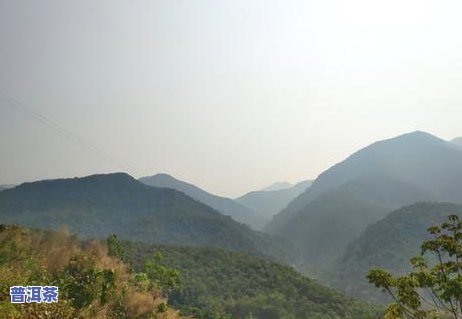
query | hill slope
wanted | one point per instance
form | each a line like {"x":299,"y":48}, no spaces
{"x":418,"y":158}
{"x":224,"y":205}
{"x":91,"y":284}
{"x":382,"y":177}
{"x":217,"y":282}
{"x":388,"y":244}
{"x":339,"y":215}
{"x":98,"y":205}
{"x":269,"y":203}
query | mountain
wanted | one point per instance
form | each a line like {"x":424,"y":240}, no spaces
{"x":99,"y":205}
{"x":457,"y":141}
{"x":6,"y":186}
{"x":216,"y":282}
{"x":277,"y":186}
{"x":224,"y":205}
{"x":340,"y":214}
{"x":363,"y":188}
{"x":388,"y":244}
{"x":418,"y":158}
{"x":269,"y":203}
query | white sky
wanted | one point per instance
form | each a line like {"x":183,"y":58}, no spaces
{"x":229,"y":95}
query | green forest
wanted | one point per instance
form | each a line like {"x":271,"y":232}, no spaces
{"x":215,"y":283}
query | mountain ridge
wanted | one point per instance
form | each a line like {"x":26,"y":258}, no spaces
{"x":420,"y":165}
{"x":269,"y":203}
{"x":352,"y":166}
{"x":99,"y":205}
{"x":276,"y":186}
{"x":226,"y":206}
{"x":389,"y":243}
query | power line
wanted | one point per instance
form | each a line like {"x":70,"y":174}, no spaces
{"x":67,"y":134}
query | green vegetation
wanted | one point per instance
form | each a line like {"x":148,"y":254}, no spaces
{"x":363,"y":189}
{"x":221,"y":284}
{"x":224,"y":205}
{"x":100,"y":205}
{"x":388,"y":244}
{"x":432,"y":289}
{"x":91,"y":283}
{"x":345,"y":211}
{"x":204,"y":283}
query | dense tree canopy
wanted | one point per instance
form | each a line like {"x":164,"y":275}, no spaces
{"x":220,"y":284}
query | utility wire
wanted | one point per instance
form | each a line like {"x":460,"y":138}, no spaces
{"x":67,"y":134}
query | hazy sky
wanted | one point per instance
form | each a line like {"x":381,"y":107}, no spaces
{"x":231,"y":95}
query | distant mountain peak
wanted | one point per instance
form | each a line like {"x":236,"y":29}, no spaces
{"x":164,"y":175}
{"x":457,"y":141}
{"x":404,"y":150}
{"x":368,"y":184}
{"x":418,"y":132}
{"x":226,"y":206}
{"x":169,"y":181}
{"x":277,"y":186}
{"x":411,"y":137}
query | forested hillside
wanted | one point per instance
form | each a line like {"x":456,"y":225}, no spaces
{"x":339,"y":215}
{"x":363,"y":188}
{"x":226,"y":206}
{"x":221,"y":284}
{"x":388,"y":244}
{"x":91,"y":284}
{"x":99,"y":205}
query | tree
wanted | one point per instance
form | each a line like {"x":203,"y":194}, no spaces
{"x":165,"y":278}
{"x":115,"y":247}
{"x":433,"y":289}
